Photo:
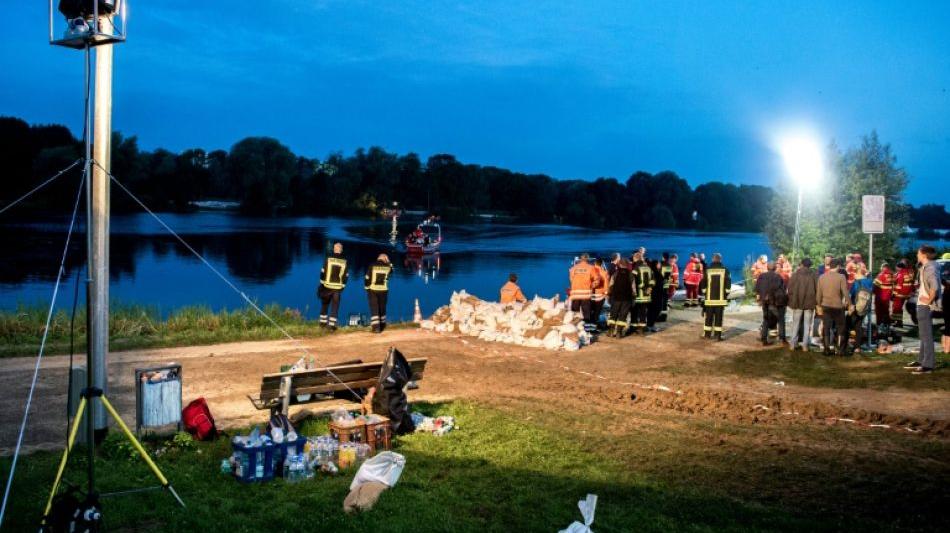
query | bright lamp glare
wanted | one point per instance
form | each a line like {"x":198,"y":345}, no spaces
{"x":803,"y":160}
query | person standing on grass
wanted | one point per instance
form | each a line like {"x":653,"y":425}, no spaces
{"x":333,"y":277}
{"x":927,"y":296}
{"x":860,"y":292}
{"x":772,"y":295}
{"x":802,"y":299}
{"x":833,"y":300}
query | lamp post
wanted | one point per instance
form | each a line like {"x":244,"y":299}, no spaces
{"x":804,"y":163}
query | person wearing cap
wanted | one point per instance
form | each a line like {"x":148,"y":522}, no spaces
{"x":511,"y":292}
{"x":883,"y":292}
{"x":333,"y":278}
{"x":376,"y":283}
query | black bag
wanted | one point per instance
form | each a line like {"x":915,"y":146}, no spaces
{"x":281,"y":421}
{"x":70,"y":515}
{"x":390,"y":398}
{"x":779,"y":297}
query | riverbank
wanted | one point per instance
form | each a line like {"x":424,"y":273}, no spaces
{"x":134,"y":327}
{"x":672,"y":433}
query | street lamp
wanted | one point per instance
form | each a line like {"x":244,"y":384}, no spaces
{"x":805,"y":165}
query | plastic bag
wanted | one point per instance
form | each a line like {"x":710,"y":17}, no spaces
{"x":385,"y":468}
{"x":587,"y":507}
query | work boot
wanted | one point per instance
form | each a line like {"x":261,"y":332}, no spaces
{"x":718,"y":337}
{"x":707,"y":335}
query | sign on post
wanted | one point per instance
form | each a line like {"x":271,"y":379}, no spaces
{"x":872,"y":214}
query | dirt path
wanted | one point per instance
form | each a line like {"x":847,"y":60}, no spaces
{"x":631,"y":375}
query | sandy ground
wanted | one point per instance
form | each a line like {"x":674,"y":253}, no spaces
{"x":634,"y":375}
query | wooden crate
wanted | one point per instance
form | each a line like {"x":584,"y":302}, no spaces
{"x":353,"y":432}
{"x":379,"y":435}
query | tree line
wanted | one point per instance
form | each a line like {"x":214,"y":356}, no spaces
{"x":265,"y":177}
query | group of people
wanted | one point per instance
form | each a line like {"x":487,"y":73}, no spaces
{"x":333,"y":278}
{"x":839,"y":294}
{"x":639,"y":289}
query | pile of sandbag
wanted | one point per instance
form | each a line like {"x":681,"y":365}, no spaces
{"x":539,"y":323}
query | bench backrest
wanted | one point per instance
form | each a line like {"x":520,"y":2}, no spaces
{"x":321,"y":381}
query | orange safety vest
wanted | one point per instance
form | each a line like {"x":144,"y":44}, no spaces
{"x":694,"y":272}
{"x":904,"y":283}
{"x":510,"y":292}
{"x":600,"y":290}
{"x":674,"y":275}
{"x":759,"y":268}
{"x":884,"y":285}
{"x":583,"y":278}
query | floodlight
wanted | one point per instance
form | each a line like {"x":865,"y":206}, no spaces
{"x":803,"y":160}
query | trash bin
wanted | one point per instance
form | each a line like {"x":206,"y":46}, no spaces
{"x":158,"y":399}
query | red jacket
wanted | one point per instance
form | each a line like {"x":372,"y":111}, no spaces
{"x":694,"y":272}
{"x":884,"y":285}
{"x":904,"y":283}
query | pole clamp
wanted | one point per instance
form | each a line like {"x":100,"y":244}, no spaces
{"x":91,"y":392}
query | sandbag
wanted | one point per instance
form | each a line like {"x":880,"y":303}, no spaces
{"x":363,"y":497}
{"x":385,"y":468}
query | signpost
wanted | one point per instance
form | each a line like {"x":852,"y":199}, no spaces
{"x":872,"y":221}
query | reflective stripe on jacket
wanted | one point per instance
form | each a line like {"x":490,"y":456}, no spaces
{"x":377,"y":277}
{"x":582,"y":277}
{"x":717,"y":284}
{"x":334,"y":273}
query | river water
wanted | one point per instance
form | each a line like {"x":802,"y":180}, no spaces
{"x":277,"y":260}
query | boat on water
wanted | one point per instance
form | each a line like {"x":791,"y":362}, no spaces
{"x":425,"y":239}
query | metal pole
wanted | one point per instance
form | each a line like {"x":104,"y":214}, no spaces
{"x":99,"y":226}
{"x":87,"y":172}
{"x":871,"y":273}
{"x":798,"y":227}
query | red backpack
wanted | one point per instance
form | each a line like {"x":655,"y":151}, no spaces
{"x":198,"y":421}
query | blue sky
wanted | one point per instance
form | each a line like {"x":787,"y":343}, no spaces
{"x":571,"y":89}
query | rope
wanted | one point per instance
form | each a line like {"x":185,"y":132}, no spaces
{"x":39,"y":357}
{"x":228,"y":282}
{"x":40,"y":186}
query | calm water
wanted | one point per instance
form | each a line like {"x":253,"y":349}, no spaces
{"x":278,"y":260}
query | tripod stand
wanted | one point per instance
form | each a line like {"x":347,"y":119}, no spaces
{"x":97,"y":266}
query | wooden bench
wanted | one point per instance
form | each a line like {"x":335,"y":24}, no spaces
{"x":280,"y":390}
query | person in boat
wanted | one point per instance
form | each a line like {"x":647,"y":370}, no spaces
{"x":511,"y":292}
{"x":376,"y":283}
{"x":333,"y":277}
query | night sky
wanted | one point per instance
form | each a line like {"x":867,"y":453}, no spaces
{"x":574,"y":90}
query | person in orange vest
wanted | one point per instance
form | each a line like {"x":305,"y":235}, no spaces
{"x":883,"y":292}
{"x":674,"y":277}
{"x":692,"y":279}
{"x":599,"y":295}
{"x":583,"y":278}
{"x":855,"y":265}
{"x":760,"y":267}
{"x":903,"y":289}
{"x":783,"y":268}
{"x":511,"y":292}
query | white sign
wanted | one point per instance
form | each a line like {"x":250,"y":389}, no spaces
{"x":872,"y":219}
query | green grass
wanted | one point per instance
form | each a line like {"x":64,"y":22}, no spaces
{"x":133,"y":327}
{"x":869,"y":371}
{"x":510,"y":471}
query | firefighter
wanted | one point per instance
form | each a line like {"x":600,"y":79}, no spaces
{"x":883,"y":293}
{"x":666,"y":274}
{"x":760,"y":267}
{"x":511,"y":292}
{"x":600,"y":293}
{"x":783,"y":268}
{"x":674,"y":279}
{"x":692,"y":279}
{"x":583,"y":278}
{"x":333,"y":277}
{"x":376,"y":283}
{"x":854,"y":266}
{"x":716,"y":284}
{"x":643,"y":285}
{"x":903,"y":289}
{"x":620,"y":290}
{"x":657,"y":296}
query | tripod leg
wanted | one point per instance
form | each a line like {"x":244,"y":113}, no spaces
{"x":138,"y":447}
{"x":62,"y":463}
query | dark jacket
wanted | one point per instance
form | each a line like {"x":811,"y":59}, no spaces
{"x":803,"y":289}
{"x":767,"y":285}
{"x":621,"y":286}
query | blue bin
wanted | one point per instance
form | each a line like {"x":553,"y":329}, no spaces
{"x":254,"y":463}
{"x":282,"y":450}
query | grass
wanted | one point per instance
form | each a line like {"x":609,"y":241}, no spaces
{"x":522,"y":469}
{"x":870,"y":371}
{"x":133,"y":327}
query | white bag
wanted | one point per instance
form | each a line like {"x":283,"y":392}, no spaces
{"x":587,"y":507}
{"x":385,"y":468}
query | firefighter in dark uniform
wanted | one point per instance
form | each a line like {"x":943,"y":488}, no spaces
{"x":716,"y":284}
{"x":620,"y":292}
{"x":333,"y":278}
{"x":666,"y":272}
{"x":643,"y":285}
{"x":376,"y":283}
